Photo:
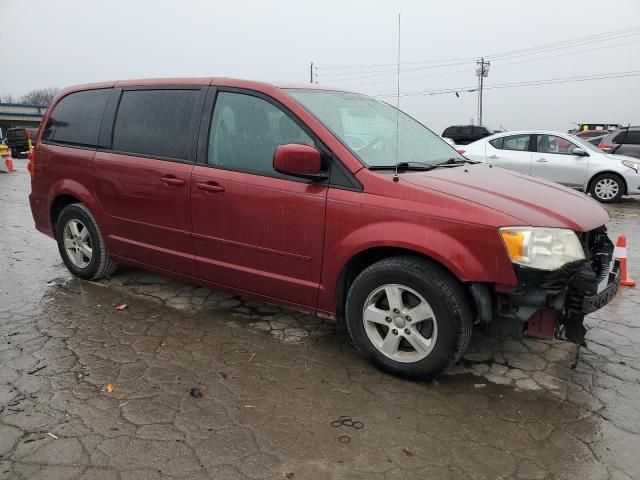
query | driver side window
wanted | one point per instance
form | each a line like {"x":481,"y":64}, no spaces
{"x":245,"y":132}
{"x":554,"y":144}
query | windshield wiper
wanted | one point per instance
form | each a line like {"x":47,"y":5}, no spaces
{"x":456,"y":161}
{"x":412,"y":165}
{"x":423,"y":166}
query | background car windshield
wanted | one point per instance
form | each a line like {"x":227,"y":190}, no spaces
{"x":586,"y":145}
{"x":376,"y":132}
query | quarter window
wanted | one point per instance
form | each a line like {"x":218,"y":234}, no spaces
{"x":76,"y":119}
{"x":554,"y":144}
{"x":245,"y":131}
{"x":156,"y":123}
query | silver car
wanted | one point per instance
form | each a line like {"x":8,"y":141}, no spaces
{"x":562,"y":158}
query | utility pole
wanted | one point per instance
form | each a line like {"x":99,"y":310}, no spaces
{"x":482,"y":71}
{"x":311,"y":71}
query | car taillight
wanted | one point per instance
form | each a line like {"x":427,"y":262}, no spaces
{"x":605,"y":146}
{"x":31,"y":166}
{"x":460,"y":151}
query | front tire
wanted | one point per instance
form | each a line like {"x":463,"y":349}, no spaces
{"x":409,"y":317}
{"x":607,"y":188}
{"x":81,"y":244}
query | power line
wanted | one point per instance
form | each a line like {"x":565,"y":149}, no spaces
{"x":588,"y":50}
{"x":499,"y":64}
{"x":469,"y":89}
{"x":546,"y":48}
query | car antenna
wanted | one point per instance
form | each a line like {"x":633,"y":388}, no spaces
{"x":395,"y":176}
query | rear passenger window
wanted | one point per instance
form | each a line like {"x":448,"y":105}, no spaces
{"x":516,"y":142}
{"x":156,"y":123}
{"x":76,"y":119}
{"x":245,"y":132}
{"x":497,"y":143}
{"x":628,"y":138}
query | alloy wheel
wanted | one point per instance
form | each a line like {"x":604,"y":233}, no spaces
{"x":77,"y":243}
{"x":400,"y":323}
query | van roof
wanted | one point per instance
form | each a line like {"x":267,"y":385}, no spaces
{"x":204,"y":81}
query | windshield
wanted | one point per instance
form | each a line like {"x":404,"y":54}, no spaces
{"x":379,"y":134}
{"x":584,"y":144}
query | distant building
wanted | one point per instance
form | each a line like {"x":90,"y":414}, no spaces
{"x":18,"y":115}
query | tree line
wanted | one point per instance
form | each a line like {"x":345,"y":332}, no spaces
{"x":39,"y":96}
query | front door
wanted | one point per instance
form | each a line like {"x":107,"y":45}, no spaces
{"x":554,"y":160}
{"x":512,"y":152}
{"x":143,"y":180}
{"x":255,"y":229}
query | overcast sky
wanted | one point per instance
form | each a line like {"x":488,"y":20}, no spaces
{"x":65,"y":42}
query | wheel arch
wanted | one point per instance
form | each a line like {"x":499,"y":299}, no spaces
{"x":67,"y":192}
{"x":366,"y":257}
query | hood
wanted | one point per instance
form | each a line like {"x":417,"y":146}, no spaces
{"x":532,"y":200}
{"x":614,"y":156}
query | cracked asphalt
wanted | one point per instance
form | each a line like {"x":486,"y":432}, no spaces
{"x":91,"y":392}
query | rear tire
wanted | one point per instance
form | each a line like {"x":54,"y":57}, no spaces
{"x":607,"y":188}
{"x":428,"y":331}
{"x":81,"y":244}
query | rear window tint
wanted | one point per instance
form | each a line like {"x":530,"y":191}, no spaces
{"x":76,"y":118}
{"x":514,"y":142}
{"x":497,"y":143}
{"x":631,"y":137}
{"x":155,"y":123}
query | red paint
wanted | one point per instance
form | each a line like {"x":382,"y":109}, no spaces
{"x":542,"y":324}
{"x":289,"y":241}
{"x":297,"y":159}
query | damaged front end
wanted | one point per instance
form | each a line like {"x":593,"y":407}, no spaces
{"x":547,"y":304}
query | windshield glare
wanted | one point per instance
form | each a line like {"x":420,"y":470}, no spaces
{"x":379,"y":134}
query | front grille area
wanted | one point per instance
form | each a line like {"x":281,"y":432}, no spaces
{"x":598,"y":249}
{"x":582,"y":295}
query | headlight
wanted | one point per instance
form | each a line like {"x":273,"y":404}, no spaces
{"x":631,"y":164}
{"x":542,"y":248}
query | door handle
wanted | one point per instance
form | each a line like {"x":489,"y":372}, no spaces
{"x":542,"y":160}
{"x":492,"y":157}
{"x":211,"y":187}
{"x":173,"y":181}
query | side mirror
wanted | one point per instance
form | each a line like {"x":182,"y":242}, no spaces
{"x":581,"y":152}
{"x":299,"y":160}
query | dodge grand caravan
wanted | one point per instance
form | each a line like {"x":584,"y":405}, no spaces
{"x":327,"y":201}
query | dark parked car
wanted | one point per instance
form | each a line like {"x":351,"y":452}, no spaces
{"x":465,"y":134}
{"x":254,"y":188}
{"x":625,"y":141}
{"x":17,"y":139}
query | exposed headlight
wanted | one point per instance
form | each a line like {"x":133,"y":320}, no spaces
{"x":542,"y":248}
{"x":631,"y":164}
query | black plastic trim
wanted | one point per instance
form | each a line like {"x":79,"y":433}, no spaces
{"x":108,"y":119}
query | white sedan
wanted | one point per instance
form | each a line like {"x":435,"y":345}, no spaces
{"x":562,"y":158}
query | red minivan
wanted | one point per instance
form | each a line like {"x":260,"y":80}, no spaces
{"x":328,"y":201}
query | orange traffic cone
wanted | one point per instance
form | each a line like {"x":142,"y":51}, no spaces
{"x":620,"y":253}
{"x":9,"y":162}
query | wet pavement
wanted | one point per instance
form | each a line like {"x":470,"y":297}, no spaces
{"x":190,"y":383}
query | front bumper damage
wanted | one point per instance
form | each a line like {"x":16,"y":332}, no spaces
{"x":552,"y":304}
